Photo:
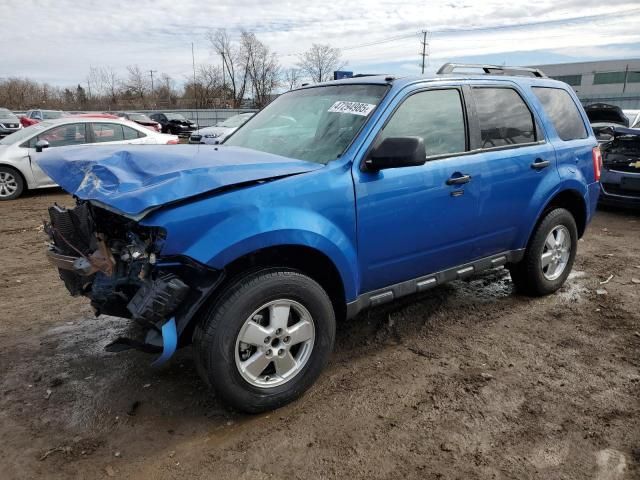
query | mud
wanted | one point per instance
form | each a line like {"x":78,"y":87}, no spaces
{"x":467,"y":381}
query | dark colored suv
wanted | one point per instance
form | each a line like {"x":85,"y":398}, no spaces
{"x":334,"y":198}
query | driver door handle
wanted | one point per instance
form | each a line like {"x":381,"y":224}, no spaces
{"x":539,"y":164}
{"x":459,"y":180}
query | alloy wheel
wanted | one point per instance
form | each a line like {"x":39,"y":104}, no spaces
{"x":274,"y":343}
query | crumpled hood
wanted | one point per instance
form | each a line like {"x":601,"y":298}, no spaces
{"x":134,"y":179}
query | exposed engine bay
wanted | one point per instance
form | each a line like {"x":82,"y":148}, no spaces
{"x":116,"y":263}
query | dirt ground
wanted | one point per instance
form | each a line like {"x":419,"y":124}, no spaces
{"x":467,"y":381}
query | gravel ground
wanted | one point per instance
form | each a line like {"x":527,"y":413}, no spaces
{"x":467,"y":381}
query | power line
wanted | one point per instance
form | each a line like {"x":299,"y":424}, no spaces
{"x":561,"y":21}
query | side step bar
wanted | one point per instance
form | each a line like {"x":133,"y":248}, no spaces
{"x":420,"y":284}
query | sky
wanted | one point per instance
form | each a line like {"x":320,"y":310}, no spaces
{"x":57,"y":41}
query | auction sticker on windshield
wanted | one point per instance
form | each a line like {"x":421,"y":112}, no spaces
{"x":356,"y":108}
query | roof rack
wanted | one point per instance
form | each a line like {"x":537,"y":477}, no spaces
{"x":493,"y":69}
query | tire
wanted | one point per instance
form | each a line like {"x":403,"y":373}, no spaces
{"x":262,"y":298}
{"x":11,"y":183}
{"x":533,"y":278}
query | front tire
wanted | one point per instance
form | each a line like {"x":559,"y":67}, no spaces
{"x":549,"y":256}
{"x":265,"y":340}
{"x":11,"y":183}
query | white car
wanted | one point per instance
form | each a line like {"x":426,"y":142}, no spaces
{"x":216,"y":134}
{"x":19,"y":170}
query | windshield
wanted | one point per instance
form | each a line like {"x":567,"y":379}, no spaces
{"x":175,"y":116}
{"x":51,"y":115}
{"x":25,"y":133}
{"x":314,"y":124}
{"x":235,"y":121}
{"x":139,"y":117}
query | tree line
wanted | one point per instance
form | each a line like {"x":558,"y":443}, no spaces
{"x":249,"y":75}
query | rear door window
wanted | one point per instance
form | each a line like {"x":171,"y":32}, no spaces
{"x":132,"y":134}
{"x":562,"y":111}
{"x":504,"y":117}
{"x":436,"y":116}
{"x":107,"y":132}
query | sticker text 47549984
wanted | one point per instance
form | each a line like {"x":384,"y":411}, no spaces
{"x":355,"y":108}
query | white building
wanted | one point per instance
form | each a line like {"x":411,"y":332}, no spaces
{"x":609,"y":81}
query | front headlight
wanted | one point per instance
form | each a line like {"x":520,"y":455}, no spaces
{"x":212,"y":135}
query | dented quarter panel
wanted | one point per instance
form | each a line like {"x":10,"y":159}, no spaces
{"x":134,"y":179}
{"x":315,"y":210}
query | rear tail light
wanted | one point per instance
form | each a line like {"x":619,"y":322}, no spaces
{"x":173,"y":141}
{"x":597,"y":163}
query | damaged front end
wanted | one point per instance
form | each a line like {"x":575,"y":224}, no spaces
{"x":117,"y":264}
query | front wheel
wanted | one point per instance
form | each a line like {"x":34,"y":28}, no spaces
{"x":11,"y":183}
{"x":266,"y":339}
{"x":549,"y":256}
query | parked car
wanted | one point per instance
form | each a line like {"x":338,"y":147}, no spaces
{"x":334,"y":198}
{"x":92,"y":115}
{"x":34,"y":116}
{"x":141,"y":119}
{"x":620,"y":181}
{"x":603,"y":116}
{"x":174,"y":123}
{"x":216,"y":134}
{"x":19,"y":151}
{"x":9,"y":122}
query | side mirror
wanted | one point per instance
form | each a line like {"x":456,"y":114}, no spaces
{"x":41,"y":145}
{"x":396,"y":152}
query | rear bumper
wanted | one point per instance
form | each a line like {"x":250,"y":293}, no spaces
{"x":616,"y":191}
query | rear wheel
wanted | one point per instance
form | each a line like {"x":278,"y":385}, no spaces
{"x":266,"y":339}
{"x":549,"y":256}
{"x":11,"y":183}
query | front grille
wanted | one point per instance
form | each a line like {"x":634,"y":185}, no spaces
{"x":616,"y":189}
{"x":195,"y":138}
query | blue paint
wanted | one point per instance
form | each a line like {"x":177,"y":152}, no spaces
{"x":377,"y":228}
{"x":132,"y":179}
{"x":169,"y":342}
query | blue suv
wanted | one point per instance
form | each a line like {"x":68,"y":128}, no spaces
{"x":334,"y":198}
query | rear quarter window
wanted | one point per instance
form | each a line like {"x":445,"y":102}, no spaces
{"x":562,"y":111}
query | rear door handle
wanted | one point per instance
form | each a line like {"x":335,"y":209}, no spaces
{"x":459,"y":180}
{"x":539,"y":164}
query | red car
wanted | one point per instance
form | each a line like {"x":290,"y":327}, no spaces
{"x":141,"y":119}
{"x":35,"y":116}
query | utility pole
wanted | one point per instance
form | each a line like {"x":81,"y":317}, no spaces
{"x":195,"y":85}
{"x":425,"y":48}
{"x":151,"y":72}
{"x":224,"y":83}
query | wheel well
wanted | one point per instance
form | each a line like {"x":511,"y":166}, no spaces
{"x":572,"y":201}
{"x":307,"y":260}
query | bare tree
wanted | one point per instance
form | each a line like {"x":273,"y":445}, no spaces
{"x":262,"y":67}
{"x":292,"y":78}
{"x":137,"y":84}
{"x":233,"y":64}
{"x":320,"y":61}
